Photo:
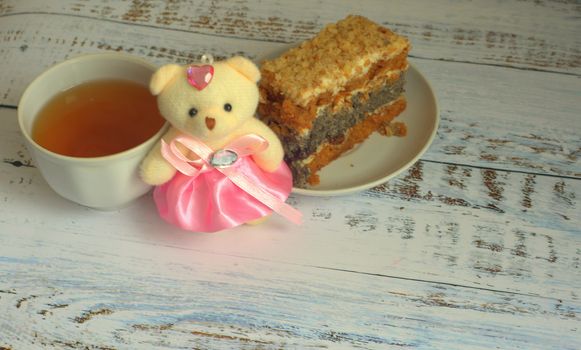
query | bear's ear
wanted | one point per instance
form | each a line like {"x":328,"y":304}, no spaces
{"x":245,"y":67}
{"x":162,"y":77}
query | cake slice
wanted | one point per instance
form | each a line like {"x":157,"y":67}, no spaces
{"x":331,"y":92}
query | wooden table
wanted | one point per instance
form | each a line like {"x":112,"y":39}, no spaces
{"x":476,"y":246}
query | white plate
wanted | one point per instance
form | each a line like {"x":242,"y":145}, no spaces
{"x":380,"y":158}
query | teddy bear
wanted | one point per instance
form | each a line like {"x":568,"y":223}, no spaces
{"x":217,"y":166}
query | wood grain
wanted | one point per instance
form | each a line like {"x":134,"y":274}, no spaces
{"x":506,"y":119}
{"x":509,"y":33}
{"x":55,"y":41}
{"x":153,"y":296}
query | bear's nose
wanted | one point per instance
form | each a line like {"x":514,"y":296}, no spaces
{"x":210,"y":123}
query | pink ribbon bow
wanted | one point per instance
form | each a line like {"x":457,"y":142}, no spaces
{"x":222,"y":160}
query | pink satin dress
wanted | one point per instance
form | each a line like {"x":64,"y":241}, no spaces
{"x":203,"y":197}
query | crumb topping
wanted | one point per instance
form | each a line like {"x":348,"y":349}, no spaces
{"x":326,"y":63}
{"x":274,"y":105}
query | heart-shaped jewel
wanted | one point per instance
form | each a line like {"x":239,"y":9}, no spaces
{"x":223,"y":158}
{"x":200,"y":76}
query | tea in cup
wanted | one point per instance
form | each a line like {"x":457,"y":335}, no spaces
{"x":88,"y":122}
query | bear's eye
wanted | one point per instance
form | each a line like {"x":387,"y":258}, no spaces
{"x":228,"y":107}
{"x":192,"y":112}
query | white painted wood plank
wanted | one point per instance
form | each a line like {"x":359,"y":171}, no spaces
{"x":30,"y":46}
{"x":470,"y":131}
{"x":506,"y":119}
{"x":527,"y":34}
{"x":63,"y":289}
{"x":456,"y":225}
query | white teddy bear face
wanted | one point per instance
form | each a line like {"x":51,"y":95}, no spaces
{"x":216,"y":110}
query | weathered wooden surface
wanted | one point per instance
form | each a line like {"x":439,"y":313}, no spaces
{"x":156,"y":296}
{"x":476,"y":246}
{"x":524,"y":34}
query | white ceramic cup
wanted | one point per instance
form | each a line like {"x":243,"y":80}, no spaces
{"x":104,"y":183}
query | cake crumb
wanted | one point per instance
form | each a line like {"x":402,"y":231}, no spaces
{"x":393,"y":129}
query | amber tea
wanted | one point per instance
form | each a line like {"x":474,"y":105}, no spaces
{"x":97,"y":118}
